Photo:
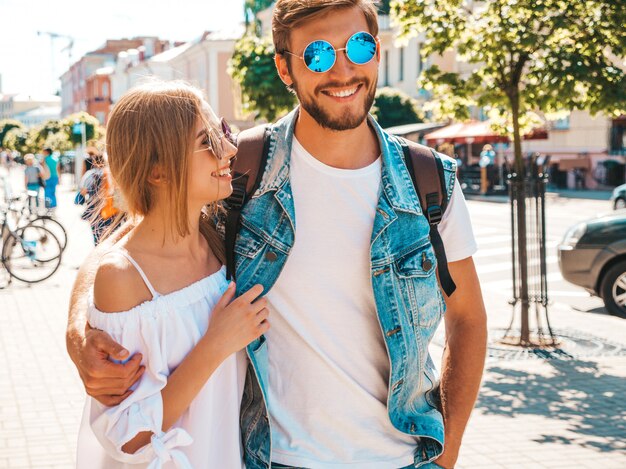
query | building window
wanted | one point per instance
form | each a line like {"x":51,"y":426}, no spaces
{"x":100,"y":117}
{"x":561,"y":124}
{"x":401,"y":74}
{"x":105,"y":90}
{"x":386,"y":82}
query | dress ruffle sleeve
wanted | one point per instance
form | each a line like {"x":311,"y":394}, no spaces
{"x":143,"y":410}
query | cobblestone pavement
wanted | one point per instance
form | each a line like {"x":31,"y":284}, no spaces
{"x":533,"y":412}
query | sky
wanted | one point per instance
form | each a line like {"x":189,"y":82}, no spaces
{"x":31,"y":63}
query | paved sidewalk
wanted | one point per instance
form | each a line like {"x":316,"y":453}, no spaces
{"x":533,"y":412}
{"x":564,"y":411}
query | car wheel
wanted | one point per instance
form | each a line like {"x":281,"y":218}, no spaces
{"x":613,"y":290}
{"x":619,"y":203}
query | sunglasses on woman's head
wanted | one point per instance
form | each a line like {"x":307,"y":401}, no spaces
{"x":320,"y":56}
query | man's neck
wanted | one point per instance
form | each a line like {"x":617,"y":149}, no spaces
{"x":348,"y":149}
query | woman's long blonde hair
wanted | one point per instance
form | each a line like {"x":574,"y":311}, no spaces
{"x":153,"y":126}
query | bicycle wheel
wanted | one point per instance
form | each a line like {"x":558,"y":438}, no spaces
{"x":58,"y":230}
{"x":31,"y":254}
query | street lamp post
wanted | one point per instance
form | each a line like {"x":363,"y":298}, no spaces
{"x":79,"y":128}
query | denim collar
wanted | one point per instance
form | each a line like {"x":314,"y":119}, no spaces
{"x":396,"y":181}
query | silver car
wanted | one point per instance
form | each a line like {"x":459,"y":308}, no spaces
{"x":618,"y":197}
{"x":593,"y":256}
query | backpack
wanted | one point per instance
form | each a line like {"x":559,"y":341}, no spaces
{"x":423,"y":163}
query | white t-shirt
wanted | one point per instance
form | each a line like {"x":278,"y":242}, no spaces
{"x":329,"y":368}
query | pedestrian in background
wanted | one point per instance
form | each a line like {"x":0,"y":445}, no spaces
{"x":95,"y":191}
{"x":4,"y":159}
{"x":51,"y":161}
{"x":33,"y":179}
{"x":90,"y":160}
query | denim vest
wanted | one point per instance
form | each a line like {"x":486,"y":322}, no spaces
{"x":408,"y":298}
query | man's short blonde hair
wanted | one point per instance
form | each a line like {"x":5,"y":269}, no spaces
{"x":289,"y":14}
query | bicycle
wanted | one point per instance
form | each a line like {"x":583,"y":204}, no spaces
{"x":25,"y":216}
{"x":30,"y":254}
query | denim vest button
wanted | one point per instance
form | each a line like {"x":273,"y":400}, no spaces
{"x":426,"y":263}
{"x":271,"y":256}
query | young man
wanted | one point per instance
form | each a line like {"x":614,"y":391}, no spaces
{"x":336,"y":235}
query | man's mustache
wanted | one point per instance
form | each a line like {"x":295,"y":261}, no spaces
{"x":347,"y":84}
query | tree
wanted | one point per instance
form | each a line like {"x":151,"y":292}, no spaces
{"x":384,"y":6}
{"x":394,"y":107}
{"x":252,"y":7}
{"x":58,"y":141}
{"x":92,"y":127}
{"x":16,"y":139}
{"x":38,"y":135}
{"x":252,"y":67}
{"x":528,"y":55}
{"x":6,"y":125}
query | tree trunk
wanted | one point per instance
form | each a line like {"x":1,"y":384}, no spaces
{"x":521,"y":221}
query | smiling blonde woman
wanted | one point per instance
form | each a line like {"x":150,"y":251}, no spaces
{"x":161,"y":291}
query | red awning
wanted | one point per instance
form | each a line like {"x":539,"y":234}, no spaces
{"x":473,"y":132}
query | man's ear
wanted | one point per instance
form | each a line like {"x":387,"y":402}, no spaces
{"x":378,"y":47}
{"x":283,"y":70}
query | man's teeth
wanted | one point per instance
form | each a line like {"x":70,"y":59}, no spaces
{"x":223,"y":172}
{"x":342,"y":94}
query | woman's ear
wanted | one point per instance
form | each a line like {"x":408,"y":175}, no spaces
{"x":157,"y":176}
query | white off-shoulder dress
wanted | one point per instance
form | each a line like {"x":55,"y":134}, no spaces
{"x":164,"y":330}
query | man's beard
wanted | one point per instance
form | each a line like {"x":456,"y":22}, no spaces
{"x":346,"y":121}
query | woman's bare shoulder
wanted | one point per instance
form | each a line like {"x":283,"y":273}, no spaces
{"x":118,"y":286}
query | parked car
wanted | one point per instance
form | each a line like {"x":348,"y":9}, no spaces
{"x":593,"y":256}
{"x":618,"y":198}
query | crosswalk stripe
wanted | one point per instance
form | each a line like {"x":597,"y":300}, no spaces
{"x":506,"y":266}
{"x":503,"y":284}
{"x":507,"y":250}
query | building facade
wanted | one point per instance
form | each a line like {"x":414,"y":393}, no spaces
{"x":202,"y":63}
{"x":75,"y":94}
{"x":98,"y":94}
{"x":13,"y":105}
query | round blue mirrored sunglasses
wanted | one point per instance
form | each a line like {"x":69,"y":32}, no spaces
{"x":320,"y":56}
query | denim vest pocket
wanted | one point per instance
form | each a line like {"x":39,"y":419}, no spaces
{"x":416,"y":272}
{"x":248,"y":244}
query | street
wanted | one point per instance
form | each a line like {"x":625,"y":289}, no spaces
{"x":533,"y":412}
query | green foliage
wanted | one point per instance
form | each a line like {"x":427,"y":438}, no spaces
{"x":58,"y":141}
{"x":252,"y":7}
{"x":17,"y":139}
{"x":56,"y":134}
{"x":6,"y":125}
{"x":527,"y":55}
{"x":92,"y":127}
{"x":252,"y":67}
{"x":384,"y":7}
{"x":394,"y":107}
{"x":38,"y":135}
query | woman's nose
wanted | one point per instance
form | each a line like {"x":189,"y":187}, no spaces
{"x":230,"y":150}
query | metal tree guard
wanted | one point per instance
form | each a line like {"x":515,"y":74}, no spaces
{"x":531,"y":188}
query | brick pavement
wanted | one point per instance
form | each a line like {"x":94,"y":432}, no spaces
{"x":532,"y":413}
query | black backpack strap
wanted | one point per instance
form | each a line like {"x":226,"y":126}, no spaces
{"x":247,"y":170}
{"x":428,"y":178}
